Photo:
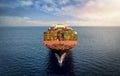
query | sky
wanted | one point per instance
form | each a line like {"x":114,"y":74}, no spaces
{"x":48,"y":12}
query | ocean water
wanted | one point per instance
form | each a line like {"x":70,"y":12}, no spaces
{"x":22,"y":53}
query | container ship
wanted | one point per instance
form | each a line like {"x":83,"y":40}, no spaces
{"x":60,"y":38}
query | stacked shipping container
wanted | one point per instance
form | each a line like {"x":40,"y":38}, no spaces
{"x":54,"y":35}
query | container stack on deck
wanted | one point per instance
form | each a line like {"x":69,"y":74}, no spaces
{"x":53,"y":35}
{"x":60,"y":38}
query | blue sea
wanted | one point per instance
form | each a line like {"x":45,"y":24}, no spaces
{"x":22,"y":53}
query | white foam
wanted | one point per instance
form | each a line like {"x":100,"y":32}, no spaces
{"x":60,"y":59}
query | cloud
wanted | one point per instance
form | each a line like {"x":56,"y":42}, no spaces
{"x":87,"y":12}
{"x":26,"y":21}
{"x":26,"y":2}
{"x":16,"y":3}
{"x":22,"y":21}
{"x":104,"y":12}
{"x":19,"y":21}
{"x":96,"y":12}
{"x":64,"y":1}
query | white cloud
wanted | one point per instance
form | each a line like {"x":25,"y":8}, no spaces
{"x":26,"y":2}
{"x":20,"y":3}
{"x":64,"y":1}
{"x":26,"y":21}
{"x":23,"y":21}
{"x":17,"y":21}
{"x":89,"y":12}
{"x":96,"y":12}
{"x":46,"y":8}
